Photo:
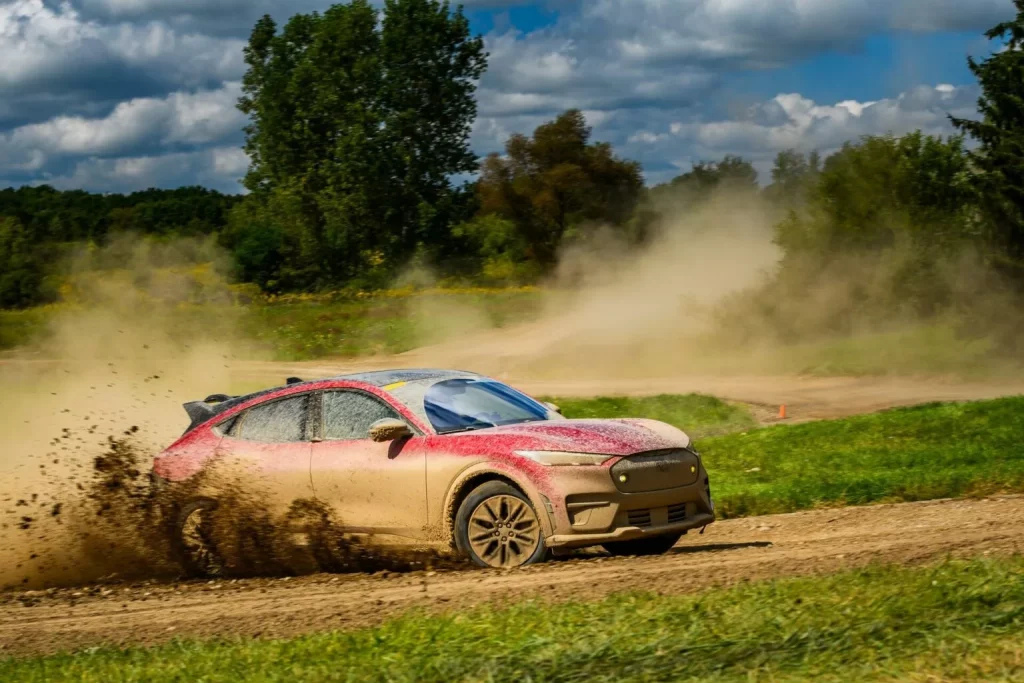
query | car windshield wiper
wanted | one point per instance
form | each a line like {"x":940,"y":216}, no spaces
{"x":470,"y":428}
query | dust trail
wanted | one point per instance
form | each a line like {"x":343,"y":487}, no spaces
{"x":613,"y":310}
{"x":712,"y":294}
{"x":129,"y":350}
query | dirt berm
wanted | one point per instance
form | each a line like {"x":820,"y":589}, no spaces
{"x":744,"y":549}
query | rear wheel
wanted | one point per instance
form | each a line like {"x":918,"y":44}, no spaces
{"x":496,"y":526}
{"x":656,"y":545}
{"x":193,"y":539}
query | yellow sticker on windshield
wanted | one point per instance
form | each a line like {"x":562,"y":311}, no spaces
{"x":396,"y":385}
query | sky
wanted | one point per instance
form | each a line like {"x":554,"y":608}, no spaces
{"x":121,"y":95}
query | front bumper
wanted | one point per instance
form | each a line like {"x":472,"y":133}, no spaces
{"x":590,"y":510}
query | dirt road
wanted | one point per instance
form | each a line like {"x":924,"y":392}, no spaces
{"x":753,"y":548}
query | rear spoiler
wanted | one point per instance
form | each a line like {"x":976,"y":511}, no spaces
{"x":198,"y":412}
{"x":201,"y":411}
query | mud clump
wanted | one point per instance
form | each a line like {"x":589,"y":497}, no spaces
{"x":124,"y":525}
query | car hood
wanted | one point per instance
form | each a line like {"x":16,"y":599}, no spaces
{"x":610,"y":437}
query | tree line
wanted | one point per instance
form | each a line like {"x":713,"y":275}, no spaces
{"x":358,"y":135}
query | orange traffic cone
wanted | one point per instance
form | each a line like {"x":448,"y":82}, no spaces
{"x":782,"y":412}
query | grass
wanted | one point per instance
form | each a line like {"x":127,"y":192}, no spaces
{"x":308,"y":327}
{"x":921,"y":453}
{"x":386,"y":322}
{"x":700,"y":416}
{"x":20,"y":328}
{"x":960,"y":619}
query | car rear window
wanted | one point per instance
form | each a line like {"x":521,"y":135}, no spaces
{"x":276,"y":422}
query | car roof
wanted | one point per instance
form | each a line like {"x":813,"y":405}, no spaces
{"x":383,"y":378}
{"x":413,"y":381}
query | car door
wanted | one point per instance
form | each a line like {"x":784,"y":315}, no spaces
{"x":269,"y":447}
{"x":377,"y":488}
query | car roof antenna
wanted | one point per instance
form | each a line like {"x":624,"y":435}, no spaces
{"x":294,"y":380}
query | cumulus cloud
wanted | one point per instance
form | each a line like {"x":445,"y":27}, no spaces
{"x":180,"y":120}
{"x":219,"y":168}
{"x":792,"y":121}
{"x":98,"y":91}
{"x":632,"y":53}
{"x":48,"y":49}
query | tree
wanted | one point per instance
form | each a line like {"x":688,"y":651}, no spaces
{"x":885,"y":190}
{"x":999,"y":159}
{"x":21,"y":268}
{"x":792,"y":176}
{"x":557,"y":181}
{"x":362,"y":124}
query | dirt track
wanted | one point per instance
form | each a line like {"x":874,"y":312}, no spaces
{"x":754,"y":548}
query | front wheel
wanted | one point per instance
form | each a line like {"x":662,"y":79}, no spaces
{"x":496,"y":526}
{"x":656,"y":545}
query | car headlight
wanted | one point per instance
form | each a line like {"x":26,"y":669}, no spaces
{"x":562,"y":458}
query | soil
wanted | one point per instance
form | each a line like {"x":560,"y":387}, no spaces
{"x":732,"y":551}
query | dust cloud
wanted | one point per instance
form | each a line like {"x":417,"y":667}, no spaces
{"x":126,"y":348}
{"x":613,"y":310}
{"x":143,"y":328}
{"x":712,"y":294}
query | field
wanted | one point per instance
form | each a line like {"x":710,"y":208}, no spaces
{"x":957,"y":619}
{"x":907,"y":454}
{"x":353,"y":324}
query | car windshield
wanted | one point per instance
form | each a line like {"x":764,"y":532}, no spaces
{"x":459,"y":405}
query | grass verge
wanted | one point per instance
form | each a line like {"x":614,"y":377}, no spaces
{"x":961,"y":619}
{"x":920,"y":453}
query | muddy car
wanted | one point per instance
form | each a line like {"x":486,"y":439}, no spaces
{"x":448,"y":459}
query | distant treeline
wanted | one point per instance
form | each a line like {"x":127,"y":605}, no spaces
{"x":360,"y":121}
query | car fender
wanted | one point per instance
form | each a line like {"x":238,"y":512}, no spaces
{"x":502,"y":471}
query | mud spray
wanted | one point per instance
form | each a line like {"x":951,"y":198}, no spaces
{"x":128,"y":346}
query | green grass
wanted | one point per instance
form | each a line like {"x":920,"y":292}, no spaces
{"x":699,"y":416}
{"x":921,"y":453}
{"x":307,"y":327}
{"x":20,"y":328}
{"x":956,"y":620}
{"x":382,"y":323}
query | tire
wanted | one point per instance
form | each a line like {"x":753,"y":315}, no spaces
{"x":655,"y":545}
{"x":192,"y":540}
{"x":496,"y":526}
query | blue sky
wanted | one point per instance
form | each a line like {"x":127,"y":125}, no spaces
{"x":118,"y":95}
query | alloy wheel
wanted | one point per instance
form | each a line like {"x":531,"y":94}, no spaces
{"x":504,"y":531}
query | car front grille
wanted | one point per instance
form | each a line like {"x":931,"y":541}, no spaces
{"x":656,"y":471}
{"x":639,"y":517}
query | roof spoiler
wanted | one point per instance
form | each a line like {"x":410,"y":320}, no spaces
{"x":198,"y":412}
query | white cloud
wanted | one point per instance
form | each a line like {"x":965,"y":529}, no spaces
{"x":218,"y":168}
{"x":45,"y":48}
{"x":179,"y":120}
{"x":103,"y":91}
{"x":792,"y":121}
{"x":629,"y":53}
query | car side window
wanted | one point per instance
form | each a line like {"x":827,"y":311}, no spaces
{"x":275,"y":422}
{"x":349,"y":414}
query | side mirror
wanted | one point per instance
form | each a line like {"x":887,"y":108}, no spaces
{"x":553,"y":408}
{"x":389,"y":429}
